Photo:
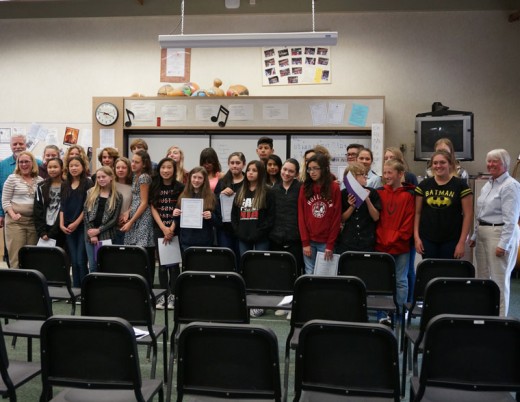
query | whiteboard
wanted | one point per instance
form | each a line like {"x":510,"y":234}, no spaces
{"x":225,"y":144}
{"x":191,"y":145}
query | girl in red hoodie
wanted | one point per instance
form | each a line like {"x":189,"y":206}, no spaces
{"x":395,"y":227}
{"x":319,"y":211}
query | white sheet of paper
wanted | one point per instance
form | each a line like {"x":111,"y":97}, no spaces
{"x":169,"y":253}
{"x":139,"y":333}
{"x":286,"y":301}
{"x":226,"y":204}
{"x":191,"y":216}
{"x":46,"y":243}
{"x":326,"y":268}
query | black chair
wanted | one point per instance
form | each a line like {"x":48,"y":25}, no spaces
{"x":53,"y":263}
{"x":228,"y":361}
{"x":336,"y":298}
{"x":269,"y":277}
{"x":377,"y":271}
{"x":206,"y":296}
{"x":125,"y":296}
{"x":95,"y":359}
{"x":468,"y":296}
{"x":469,"y":358}
{"x":24,"y":298}
{"x":209,"y":259}
{"x":340,"y":361}
{"x":14,"y":373}
{"x":130,"y":260}
{"x":427,"y":270}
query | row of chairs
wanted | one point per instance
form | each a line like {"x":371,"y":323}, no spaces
{"x":467,"y":358}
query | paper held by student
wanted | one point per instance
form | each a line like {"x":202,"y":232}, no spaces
{"x":353,"y":187}
{"x":191,"y":216}
{"x":169,"y":253}
{"x":226,"y":205}
{"x":325,"y":267}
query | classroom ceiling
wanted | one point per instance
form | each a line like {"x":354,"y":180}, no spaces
{"x":12,"y":9}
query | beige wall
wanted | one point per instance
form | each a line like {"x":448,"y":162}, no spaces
{"x":51,"y":69}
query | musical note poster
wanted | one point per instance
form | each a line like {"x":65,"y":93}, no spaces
{"x":296,"y":65}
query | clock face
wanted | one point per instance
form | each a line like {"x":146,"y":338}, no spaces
{"x":106,"y":114}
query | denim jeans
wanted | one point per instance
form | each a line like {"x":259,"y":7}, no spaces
{"x":78,"y":255}
{"x":90,"y":248}
{"x":261,"y":245}
{"x":401,"y":277}
{"x":310,"y":261}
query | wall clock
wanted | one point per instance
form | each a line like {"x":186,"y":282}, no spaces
{"x":106,"y":114}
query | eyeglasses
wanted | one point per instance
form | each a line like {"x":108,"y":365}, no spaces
{"x":313,"y":169}
{"x":352,"y":154}
{"x":363,"y":175}
{"x":24,"y":162}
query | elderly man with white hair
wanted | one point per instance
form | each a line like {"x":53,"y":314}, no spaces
{"x":497,"y":232}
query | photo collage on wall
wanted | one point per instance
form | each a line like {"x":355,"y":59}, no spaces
{"x":294,"y":65}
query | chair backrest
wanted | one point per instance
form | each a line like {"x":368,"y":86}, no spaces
{"x":355,"y":359}
{"x":124,"y":260}
{"x":228,"y":361}
{"x":24,"y":295}
{"x":472,"y":353}
{"x":4,"y":362}
{"x":269,"y":272}
{"x":376,"y":270}
{"x":210,"y":296}
{"x":431,"y":268}
{"x":89,"y":352}
{"x":465,"y":296}
{"x":337,"y":298}
{"x":52,"y":262}
{"x":125,"y":296}
{"x":209,"y":259}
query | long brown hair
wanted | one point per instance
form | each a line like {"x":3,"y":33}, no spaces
{"x":205,"y":191}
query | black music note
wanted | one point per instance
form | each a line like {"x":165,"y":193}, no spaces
{"x":130,"y":115}
{"x":225,"y":112}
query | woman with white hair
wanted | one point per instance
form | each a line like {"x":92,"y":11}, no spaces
{"x":497,"y":233}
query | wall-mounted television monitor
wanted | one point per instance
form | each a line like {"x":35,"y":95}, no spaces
{"x":458,"y":128}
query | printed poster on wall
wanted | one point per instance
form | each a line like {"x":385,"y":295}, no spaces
{"x":296,"y":65}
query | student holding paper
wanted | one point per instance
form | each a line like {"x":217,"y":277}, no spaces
{"x":101,"y":212}
{"x":359,"y":223}
{"x":319,"y":211}
{"x":164,"y":194}
{"x":228,"y":186}
{"x":47,"y":204}
{"x":395,"y":227}
{"x":198,"y":186}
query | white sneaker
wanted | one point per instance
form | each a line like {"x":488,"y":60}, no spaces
{"x":160,"y":303}
{"x":256,"y":312}
{"x":281,"y":312}
{"x":171,"y":301}
{"x":289,"y":316}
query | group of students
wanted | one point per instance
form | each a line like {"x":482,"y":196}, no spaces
{"x":274,"y":206}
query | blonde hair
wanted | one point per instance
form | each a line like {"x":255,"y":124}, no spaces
{"x":355,"y":168}
{"x":34,"y":169}
{"x":395,"y":164}
{"x":180,"y":165}
{"x":94,"y":192}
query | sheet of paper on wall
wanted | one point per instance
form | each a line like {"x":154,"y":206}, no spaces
{"x":85,"y":137}
{"x":226,"y":205}
{"x":353,"y":187}
{"x":325,"y":267}
{"x":175,"y":60}
{"x":336,"y":113}
{"x":241,"y":112}
{"x":377,"y":147}
{"x":358,"y":115}
{"x":174,"y":112}
{"x":319,"y":113}
{"x":46,"y":243}
{"x":205,"y":112}
{"x":275,"y":111}
{"x":191,"y":216}
{"x":144,"y":112}
{"x":169,"y":253}
{"x":107,"y":137}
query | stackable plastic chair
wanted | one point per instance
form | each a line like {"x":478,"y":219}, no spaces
{"x":450,"y":296}
{"x":269,"y":277}
{"x":209,"y":259}
{"x":469,"y":358}
{"x":228,"y":361}
{"x":53,"y":263}
{"x":346,"y":361}
{"x":93,"y":358}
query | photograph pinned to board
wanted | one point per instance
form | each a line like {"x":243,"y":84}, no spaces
{"x":71,"y":136}
{"x":296,"y":65}
{"x":5,"y":135}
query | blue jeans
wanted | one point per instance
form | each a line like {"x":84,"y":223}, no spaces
{"x":78,"y":255}
{"x":310,"y":261}
{"x":401,"y":277}
{"x":411,"y":274}
{"x":445,"y":249}
{"x":261,"y":245}
{"x":90,"y":248}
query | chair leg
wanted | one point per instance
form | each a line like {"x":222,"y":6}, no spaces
{"x":13,"y":343}
{"x":165,"y":357}
{"x":73,"y":306}
{"x":286,"y":372}
{"x":404,"y":371}
{"x":154,"y":358}
{"x":169,"y":383}
{"x":415,"y":359}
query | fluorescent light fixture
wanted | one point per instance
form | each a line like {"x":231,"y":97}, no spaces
{"x":250,"y":40}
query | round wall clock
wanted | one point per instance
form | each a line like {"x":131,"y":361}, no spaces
{"x":106,"y":114}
